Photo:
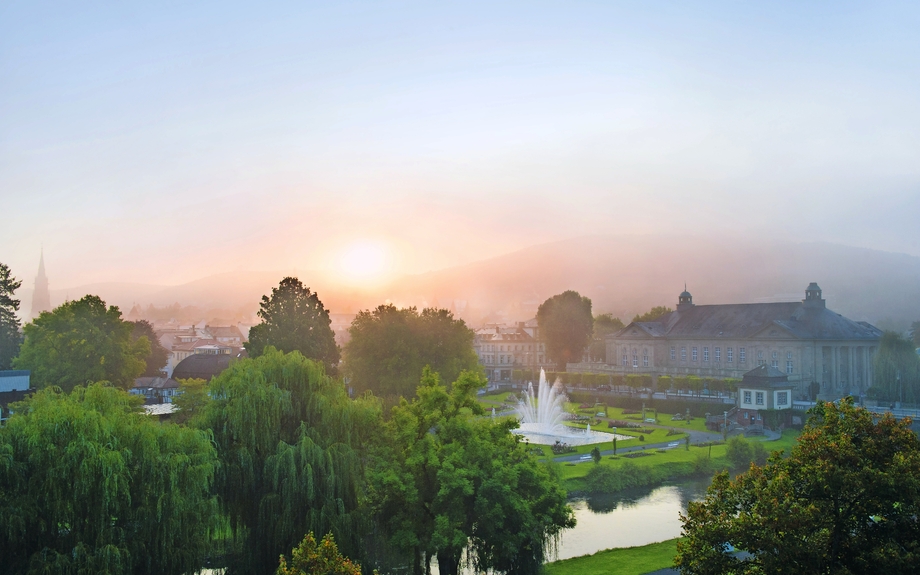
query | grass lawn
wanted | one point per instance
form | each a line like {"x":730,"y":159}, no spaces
{"x":626,"y":561}
{"x":677,"y":457}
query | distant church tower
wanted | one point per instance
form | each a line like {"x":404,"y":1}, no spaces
{"x":41,"y":297}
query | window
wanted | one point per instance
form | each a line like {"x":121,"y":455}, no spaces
{"x":728,"y":354}
{"x":740,"y":355}
{"x":782,"y":398}
{"x":683,"y":354}
{"x":775,"y":363}
{"x":501,"y":359}
{"x":705,"y":354}
{"x":635,"y":359}
{"x":759,"y":355}
{"x":625,"y":360}
{"x":645,"y":358}
{"x":789,"y":367}
{"x":718,"y":352}
{"x":761,"y":362}
{"x":788,"y":355}
{"x":745,"y":415}
{"x":775,"y":355}
{"x":673,"y":353}
{"x":694,"y":354}
{"x":759,"y":398}
{"x":747,"y":397}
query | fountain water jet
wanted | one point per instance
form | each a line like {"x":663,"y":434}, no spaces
{"x":542,"y":416}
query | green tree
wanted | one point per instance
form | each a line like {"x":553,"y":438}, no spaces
{"x":897,"y":370}
{"x":846,"y":500}
{"x":290,"y":444}
{"x":604,"y":325}
{"x":82,"y":341}
{"x":9,"y":322}
{"x":653,"y":314}
{"x":310,"y":558}
{"x":90,"y":484}
{"x":389,"y":347}
{"x":451,"y":481}
{"x":294,"y":319}
{"x":566,"y":325}
{"x":158,"y":356}
{"x":191,"y":400}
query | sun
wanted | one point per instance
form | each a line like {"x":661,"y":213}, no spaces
{"x":364,"y":260}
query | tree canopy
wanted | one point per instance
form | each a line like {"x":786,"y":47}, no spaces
{"x":653,"y":314}
{"x":158,"y":356}
{"x":566,"y":325}
{"x":452,"y":481}
{"x":604,"y":325}
{"x":897,"y":370}
{"x":289,"y":442}
{"x":312,"y":558}
{"x":294,"y":319}
{"x":389,"y":347}
{"x":9,"y":322}
{"x":79,"y":342}
{"x":90,"y":484}
{"x":847,"y":500}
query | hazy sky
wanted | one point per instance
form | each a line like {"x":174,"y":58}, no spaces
{"x":165,"y":141}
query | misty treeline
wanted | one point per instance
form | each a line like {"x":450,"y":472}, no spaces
{"x":266,"y":452}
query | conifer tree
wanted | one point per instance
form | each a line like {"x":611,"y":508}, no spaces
{"x":10,"y":337}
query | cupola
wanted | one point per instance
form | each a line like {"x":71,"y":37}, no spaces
{"x":813,"y":296}
{"x":684,"y":300}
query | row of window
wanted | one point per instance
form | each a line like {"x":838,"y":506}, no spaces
{"x":491,"y":347}
{"x":694,"y":351}
{"x":782,"y":398}
{"x":503,"y":359}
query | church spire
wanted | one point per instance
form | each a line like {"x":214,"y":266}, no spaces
{"x":41,"y":297}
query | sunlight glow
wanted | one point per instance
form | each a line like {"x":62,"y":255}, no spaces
{"x":364,"y":260}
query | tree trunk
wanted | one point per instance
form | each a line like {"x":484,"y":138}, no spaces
{"x":448,"y":562}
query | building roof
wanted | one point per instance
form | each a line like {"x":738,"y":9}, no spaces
{"x":766,"y":376}
{"x":156,"y":383}
{"x":225,"y":331}
{"x":14,"y":372}
{"x":202,"y":366}
{"x":784,"y":320}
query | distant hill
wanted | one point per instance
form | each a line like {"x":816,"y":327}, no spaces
{"x":624,"y":275}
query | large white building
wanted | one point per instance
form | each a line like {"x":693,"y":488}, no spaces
{"x":804,"y":340}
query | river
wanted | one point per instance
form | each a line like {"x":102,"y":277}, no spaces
{"x":627,"y":519}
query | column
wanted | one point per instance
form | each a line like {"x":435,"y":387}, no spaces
{"x":851,"y":360}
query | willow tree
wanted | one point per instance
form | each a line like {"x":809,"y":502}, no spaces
{"x":90,"y":484}
{"x":289,"y":441}
{"x":452,"y":481}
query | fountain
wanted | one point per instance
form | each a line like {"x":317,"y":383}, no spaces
{"x":542,"y":416}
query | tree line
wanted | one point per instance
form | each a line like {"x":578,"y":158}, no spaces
{"x":270,"y":451}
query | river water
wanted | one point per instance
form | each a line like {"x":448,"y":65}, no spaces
{"x":627,"y":519}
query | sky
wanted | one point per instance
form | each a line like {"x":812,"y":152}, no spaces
{"x":162,"y":142}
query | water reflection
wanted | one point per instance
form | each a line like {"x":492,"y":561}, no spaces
{"x":627,"y":519}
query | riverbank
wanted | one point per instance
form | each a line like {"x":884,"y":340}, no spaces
{"x":626,"y":561}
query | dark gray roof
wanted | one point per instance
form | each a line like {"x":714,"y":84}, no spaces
{"x":14,"y":372}
{"x":766,"y":376}
{"x":202,"y":366}
{"x":793,"y":319}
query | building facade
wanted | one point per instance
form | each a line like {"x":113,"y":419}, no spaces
{"x":502,"y":349}
{"x":810,"y":344}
